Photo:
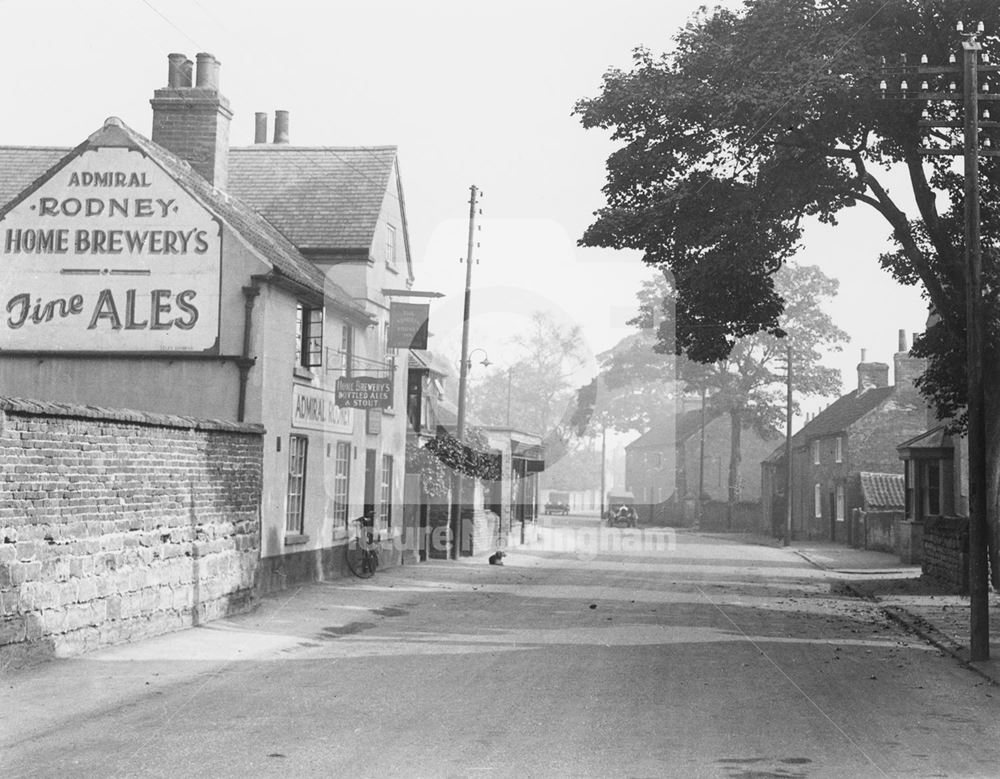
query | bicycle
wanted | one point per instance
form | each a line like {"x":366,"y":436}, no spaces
{"x":361,"y":551}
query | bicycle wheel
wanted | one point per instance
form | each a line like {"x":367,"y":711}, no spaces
{"x":357,"y":559}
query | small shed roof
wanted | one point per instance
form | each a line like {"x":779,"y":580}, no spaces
{"x":882,"y":490}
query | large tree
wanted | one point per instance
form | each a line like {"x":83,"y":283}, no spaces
{"x":748,"y":385}
{"x":535,"y":392}
{"x":765,"y":115}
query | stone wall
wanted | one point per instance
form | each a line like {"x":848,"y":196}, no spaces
{"x":945,"y":555}
{"x":118,"y":525}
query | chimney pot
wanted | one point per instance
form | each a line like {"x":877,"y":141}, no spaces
{"x":902,"y":341}
{"x":207,"y":75}
{"x":864,"y":354}
{"x":260,"y":127}
{"x":187,"y":74}
{"x":175,"y":69}
{"x":281,"y":126}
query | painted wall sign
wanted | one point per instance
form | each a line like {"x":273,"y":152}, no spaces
{"x":408,"y":325}
{"x":364,"y":392}
{"x":315,"y":409}
{"x":109,"y":254}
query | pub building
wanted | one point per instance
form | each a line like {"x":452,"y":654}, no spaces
{"x":179,"y":275}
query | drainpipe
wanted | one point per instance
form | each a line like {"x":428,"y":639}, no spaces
{"x":246,"y":362}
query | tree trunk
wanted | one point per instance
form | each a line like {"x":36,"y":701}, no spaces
{"x":735,"y":459}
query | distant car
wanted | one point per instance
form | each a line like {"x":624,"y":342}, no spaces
{"x":557,"y":508}
{"x":621,"y":510}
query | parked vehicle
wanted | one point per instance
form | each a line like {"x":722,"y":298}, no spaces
{"x":558,"y":503}
{"x":621,"y":510}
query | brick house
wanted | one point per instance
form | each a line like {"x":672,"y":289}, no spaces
{"x":858,"y":432}
{"x":176,"y":275}
{"x":666,"y":461}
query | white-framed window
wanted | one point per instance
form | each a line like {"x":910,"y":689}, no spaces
{"x":390,"y":245}
{"x":298,"y":446}
{"x":385,"y":498}
{"x":817,"y":501}
{"x":815,"y":448}
{"x":308,"y":336}
{"x":839,"y":449}
{"x":841,"y":508}
{"x":341,"y":481}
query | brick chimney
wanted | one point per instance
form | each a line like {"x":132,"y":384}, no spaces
{"x":906,"y":368}
{"x":193,"y":121}
{"x":871,"y":374}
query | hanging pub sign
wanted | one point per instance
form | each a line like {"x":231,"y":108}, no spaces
{"x":364,"y":392}
{"x":109,"y":253}
{"x":408,"y":325}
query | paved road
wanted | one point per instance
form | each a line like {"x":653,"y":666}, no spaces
{"x":596,"y":653}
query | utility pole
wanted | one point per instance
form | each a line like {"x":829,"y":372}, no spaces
{"x":701,"y":462}
{"x":463,"y":375}
{"x":604,"y":449}
{"x":979,"y":524}
{"x":788,"y":445}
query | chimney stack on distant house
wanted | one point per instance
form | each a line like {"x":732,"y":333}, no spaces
{"x":871,"y":374}
{"x":260,"y":127}
{"x":193,"y":121}
{"x":906,"y":368}
{"x":281,"y":127}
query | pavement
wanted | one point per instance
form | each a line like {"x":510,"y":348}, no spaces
{"x":902,"y":594}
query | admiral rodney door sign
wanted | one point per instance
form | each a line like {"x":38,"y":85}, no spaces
{"x":109,"y":254}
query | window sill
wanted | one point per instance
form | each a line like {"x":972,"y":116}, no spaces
{"x":303,"y":373}
{"x":296,"y":539}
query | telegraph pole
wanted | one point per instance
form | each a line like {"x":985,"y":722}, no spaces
{"x":788,"y":446}
{"x":463,"y":375}
{"x":979,"y":633}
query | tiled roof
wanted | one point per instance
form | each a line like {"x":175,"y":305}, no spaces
{"x":21,"y":165}
{"x":882,"y":490}
{"x":321,"y":197}
{"x":836,"y":418}
{"x":686,"y":424}
{"x":268,"y":241}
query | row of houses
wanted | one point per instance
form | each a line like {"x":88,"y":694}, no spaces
{"x":178,"y":275}
{"x":870,"y":469}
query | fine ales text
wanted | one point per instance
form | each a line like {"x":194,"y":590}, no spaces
{"x":136,"y":311}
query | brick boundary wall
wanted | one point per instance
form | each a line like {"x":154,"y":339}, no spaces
{"x":117,"y":525}
{"x":945,"y":554}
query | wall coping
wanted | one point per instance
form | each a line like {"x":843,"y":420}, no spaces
{"x":26,"y":407}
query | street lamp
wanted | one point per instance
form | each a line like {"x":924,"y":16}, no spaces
{"x":971,"y":95}
{"x":485,"y":362}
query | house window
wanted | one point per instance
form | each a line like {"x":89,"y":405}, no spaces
{"x":390,"y":246}
{"x":932,"y":488}
{"x":347,"y":349}
{"x":815,"y":447}
{"x":839,"y":453}
{"x":817,"y":501}
{"x":295,"y":507}
{"x":911,"y":487}
{"x":341,"y":481}
{"x":385,"y":506}
{"x":308,"y":336}
{"x":840,"y":501}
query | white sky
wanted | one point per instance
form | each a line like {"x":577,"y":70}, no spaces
{"x":471,"y":93}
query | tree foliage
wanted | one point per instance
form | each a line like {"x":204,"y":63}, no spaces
{"x":749,"y":384}
{"x":535,"y":393}
{"x":764,"y":116}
